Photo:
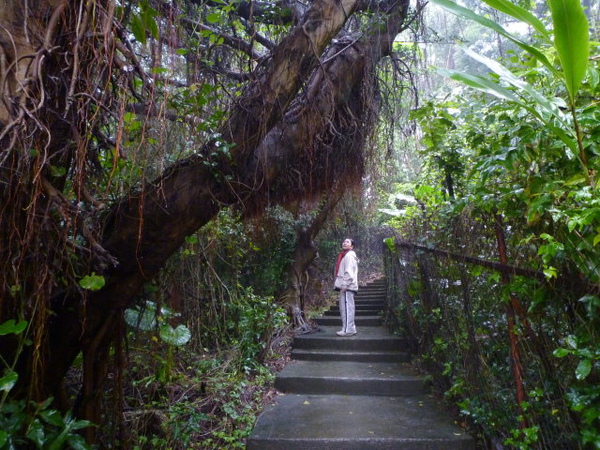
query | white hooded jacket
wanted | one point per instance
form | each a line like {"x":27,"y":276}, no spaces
{"x":347,"y":276}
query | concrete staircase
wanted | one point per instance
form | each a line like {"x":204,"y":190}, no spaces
{"x":354,"y":393}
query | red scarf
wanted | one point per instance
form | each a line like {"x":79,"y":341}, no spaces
{"x":339,"y":260}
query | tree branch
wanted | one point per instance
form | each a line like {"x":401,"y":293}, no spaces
{"x":233,"y":42}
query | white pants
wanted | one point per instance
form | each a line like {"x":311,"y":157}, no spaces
{"x":347,"y":311}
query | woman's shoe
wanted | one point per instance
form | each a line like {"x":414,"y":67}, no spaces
{"x":344,"y":334}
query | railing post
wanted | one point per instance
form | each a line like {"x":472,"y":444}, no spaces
{"x":511,"y":308}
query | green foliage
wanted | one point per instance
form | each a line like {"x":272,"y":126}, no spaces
{"x":175,"y":337}
{"x":217,"y":410}
{"x":528,"y":140}
{"x":239,"y":414}
{"x":457,"y":313}
{"x":144,"y":22}
{"x":584,"y":398}
{"x":253,"y":254}
{"x":8,"y":381}
{"x":154,"y":318}
{"x":389,"y":242}
{"x":259,"y":318}
{"x":219,"y":377}
{"x":92,"y":282}
{"x":442,"y":146}
{"x":29,"y":424}
{"x":524,"y":438}
{"x":571,"y":41}
{"x":219,"y":390}
{"x":520,"y":14}
{"x":12,"y":327}
{"x":32,"y":424}
{"x":9,"y":376}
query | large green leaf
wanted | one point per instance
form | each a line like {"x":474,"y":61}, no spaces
{"x":142,"y":318}
{"x":176,"y":337}
{"x":572,"y":41}
{"x":10,"y":327}
{"x":482,"y":84}
{"x":508,"y":77}
{"x":471,"y":15}
{"x":520,"y":14}
{"x":8,"y":381}
{"x":583,"y":369}
{"x":92,"y":282}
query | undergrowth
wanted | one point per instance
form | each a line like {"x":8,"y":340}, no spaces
{"x":209,"y":402}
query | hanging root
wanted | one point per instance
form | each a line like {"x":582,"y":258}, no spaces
{"x":300,"y":325}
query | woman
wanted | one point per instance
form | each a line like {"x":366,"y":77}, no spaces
{"x":346,"y":281}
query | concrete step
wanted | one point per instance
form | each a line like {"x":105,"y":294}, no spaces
{"x":370,"y":295}
{"x":340,"y":422}
{"x":350,"y":355}
{"x":349,"y":378}
{"x":360,"y":307}
{"x":366,"y":301}
{"x":379,"y":289}
{"x":378,"y":284}
{"x":378,"y":300}
{"x":362,"y":301}
{"x":353,"y":393}
{"x":362,"y":304}
{"x":361,"y":321}
{"x":358,"y":312}
{"x":367,"y":339}
{"x":372,"y":287}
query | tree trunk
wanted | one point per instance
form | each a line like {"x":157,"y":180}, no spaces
{"x":304,"y":255}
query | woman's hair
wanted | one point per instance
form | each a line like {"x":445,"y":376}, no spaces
{"x":351,"y":241}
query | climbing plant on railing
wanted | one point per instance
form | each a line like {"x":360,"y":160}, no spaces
{"x":454,"y":307}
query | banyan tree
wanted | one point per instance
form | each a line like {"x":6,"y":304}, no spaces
{"x":127,"y":126}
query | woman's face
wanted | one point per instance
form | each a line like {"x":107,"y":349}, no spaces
{"x":347,"y":244}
